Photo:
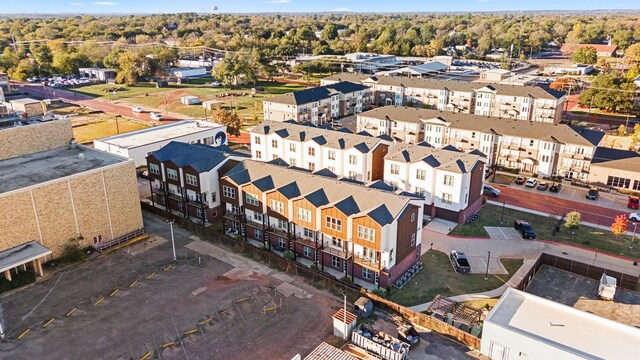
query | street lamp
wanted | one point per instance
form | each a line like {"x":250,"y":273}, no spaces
{"x":486,"y":274}
{"x":173,"y":243}
{"x":344,"y":312}
{"x":635,"y":226}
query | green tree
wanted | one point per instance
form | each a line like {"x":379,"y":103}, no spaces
{"x":229,"y":119}
{"x":65,"y":63}
{"x":330,"y":32}
{"x":572,"y":220}
{"x":633,"y":53}
{"x":129,"y":68}
{"x":585,"y":55}
{"x":24,"y":69}
{"x":234,"y":68}
{"x":622,"y":130}
{"x":622,"y":38}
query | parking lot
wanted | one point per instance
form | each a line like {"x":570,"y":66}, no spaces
{"x":502,"y":233}
{"x":135,"y":302}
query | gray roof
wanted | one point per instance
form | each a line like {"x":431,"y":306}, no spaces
{"x":198,"y":156}
{"x":616,"y":159}
{"x":21,"y":254}
{"x":453,"y":161}
{"x":351,"y":77}
{"x":350,"y":198}
{"x":317,"y":93}
{"x":537,"y":92}
{"x":518,"y":128}
{"x":327,"y":138}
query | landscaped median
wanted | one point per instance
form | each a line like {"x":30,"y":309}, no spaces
{"x":438,"y":277}
{"x":545,"y":226}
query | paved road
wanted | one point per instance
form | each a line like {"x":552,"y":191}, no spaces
{"x":558,"y":206}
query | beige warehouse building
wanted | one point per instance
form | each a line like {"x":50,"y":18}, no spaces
{"x":57,"y":193}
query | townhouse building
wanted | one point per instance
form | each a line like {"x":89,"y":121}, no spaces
{"x":319,"y":105}
{"x":451,"y":182}
{"x":352,"y":156}
{"x":184,"y":178}
{"x":342,"y":227}
{"x":530,"y":147}
{"x":532,"y":103}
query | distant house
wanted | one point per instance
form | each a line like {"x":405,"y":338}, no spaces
{"x":30,"y":107}
{"x":602,"y":49}
{"x":98,"y":73}
{"x":495,"y":75}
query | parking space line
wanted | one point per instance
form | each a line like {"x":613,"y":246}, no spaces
{"x":48,"y":322}
{"x":133,"y":284}
{"x":150,"y":276}
{"x":99,"y":301}
{"x":146,"y":356}
{"x":166,"y":268}
{"x":503,"y":234}
{"x":72,"y":311}
{"x":114,"y":292}
{"x":204,"y":322}
{"x":189,"y":332}
{"x":24,"y":333}
{"x":169,"y":344}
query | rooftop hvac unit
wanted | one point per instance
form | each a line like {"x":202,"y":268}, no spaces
{"x":81,"y":156}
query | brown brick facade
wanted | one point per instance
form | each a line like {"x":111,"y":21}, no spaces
{"x":19,"y":141}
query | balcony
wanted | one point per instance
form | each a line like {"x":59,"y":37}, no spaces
{"x":368,"y":263}
{"x":305,"y":241}
{"x":177,"y":197}
{"x":197,"y":202}
{"x":235,"y":216}
{"x":517,"y":147}
{"x":329,"y":249}
{"x":279,"y":232}
{"x":255,"y":224}
{"x":158,"y":191}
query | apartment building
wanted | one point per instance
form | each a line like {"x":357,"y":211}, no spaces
{"x":184,"y":178}
{"x":342,"y":227}
{"x":352,"y":156}
{"x":451,"y":182}
{"x":319,"y":105}
{"x":532,"y":103}
{"x":531,"y":147}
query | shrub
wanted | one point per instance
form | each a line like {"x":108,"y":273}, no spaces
{"x":73,"y":250}
{"x":379,"y":292}
{"x":313,"y":267}
{"x":289,"y":255}
{"x":346,"y":279}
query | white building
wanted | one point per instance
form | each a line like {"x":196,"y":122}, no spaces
{"x":371,"y":63}
{"x":137,"y":145}
{"x":526,"y":326}
{"x":352,"y":156}
{"x":531,"y":147}
{"x":451,"y":182}
{"x":99,"y":74}
{"x":188,"y":72}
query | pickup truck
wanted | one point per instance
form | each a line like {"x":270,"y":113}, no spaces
{"x":525,"y":229}
{"x":459,"y":261}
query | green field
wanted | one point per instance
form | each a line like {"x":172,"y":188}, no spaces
{"x":438,"y":277}
{"x":248,"y":106}
{"x":584,"y":236}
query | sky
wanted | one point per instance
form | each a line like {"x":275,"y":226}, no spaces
{"x":253,"y":6}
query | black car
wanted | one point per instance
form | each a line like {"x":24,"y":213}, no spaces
{"x":555,"y":187}
{"x":592,"y":194}
{"x":525,"y":229}
{"x":459,"y":261}
{"x":520,"y":180}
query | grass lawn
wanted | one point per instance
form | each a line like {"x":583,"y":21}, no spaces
{"x":503,"y":179}
{"x":438,"y":277}
{"x":584,"y":236}
{"x":168,"y":98}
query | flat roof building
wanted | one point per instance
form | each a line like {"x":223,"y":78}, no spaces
{"x":137,"y":145}
{"x":522,"y":325}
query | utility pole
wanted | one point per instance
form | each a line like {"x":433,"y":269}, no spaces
{"x":486,"y":274}
{"x":173,"y":243}
{"x":502,"y":216}
{"x":117,"y":125}
{"x":344,"y":312}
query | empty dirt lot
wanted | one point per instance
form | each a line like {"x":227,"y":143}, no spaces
{"x":125,"y":305}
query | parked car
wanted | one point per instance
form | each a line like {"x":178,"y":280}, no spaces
{"x":155,"y":116}
{"x":336,"y":123}
{"x":634,"y":216}
{"x":555,"y":187}
{"x":137,"y":109}
{"x":531,"y":182}
{"x":459,"y":261}
{"x":525,"y":229}
{"x":520,"y":180}
{"x":490,"y":190}
{"x":592,"y":194}
{"x":543,"y":185}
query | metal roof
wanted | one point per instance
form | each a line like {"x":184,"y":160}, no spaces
{"x":22,"y":254}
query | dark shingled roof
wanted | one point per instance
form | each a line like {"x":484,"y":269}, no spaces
{"x":603,"y":154}
{"x":380,"y":185}
{"x":455,"y":161}
{"x":592,"y":136}
{"x":290,"y":190}
{"x":326,"y":173}
{"x":317,"y":93}
{"x":200,"y":157}
{"x":348,"y":206}
{"x":278,"y":162}
{"x":381,"y":215}
{"x":317,"y":198}
{"x":264,"y":184}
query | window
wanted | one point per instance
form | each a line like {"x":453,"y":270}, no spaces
{"x":394,"y":185}
{"x":213,"y":196}
{"x":309,"y":233}
{"x":531,"y":143}
{"x":258,"y":234}
{"x":275,"y":156}
{"x":252,"y":199}
{"x":331,"y":155}
{"x":293,"y":162}
{"x":419,"y":190}
{"x":366,"y":233}
{"x":618,"y":182}
{"x":198,"y":212}
{"x":413,"y":217}
{"x":447,"y":198}
{"x":636,"y":185}
{"x":353,"y":160}
{"x":306,"y":251}
{"x":274,"y":144}
{"x":257,"y":216}
{"x":333,"y":223}
{"x":332,"y":169}
{"x":258,"y":154}
{"x":191,"y":180}
{"x":353,"y":175}
{"x":154,"y":169}
{"x":312,"y":166}
{"x":413,"y":239}
{"x":256,"y":139}
{"x":281,"y":243}
{"x":448,"y":180}
{"x":172,"y":174}
{"x":304,"y":214}
{"x":229,"y":192}
{"x":544,"y":158}
{"x":395,"y":169}
{"x":335,"y":261}
{"x":292,"y":147}
{"x":366,"y":273}
{"x":312,"y":151}
{"x":421,"y":174}
{"x":277,"y":206}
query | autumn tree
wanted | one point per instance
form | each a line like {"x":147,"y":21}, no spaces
{"x":585,"y":55}
{"x":572,"y":220}
{"x":129,"y":68}
{"x":633,"y":53}
{"x":563,"y":84}
{"x":229,"y":119}
{"x":619,"y":226}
